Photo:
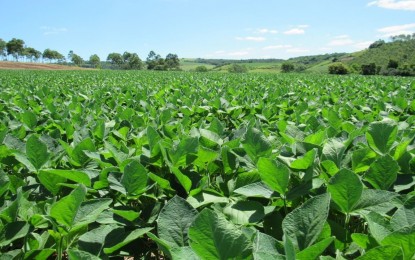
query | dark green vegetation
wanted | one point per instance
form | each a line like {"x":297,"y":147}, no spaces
{"x":99,"y":164}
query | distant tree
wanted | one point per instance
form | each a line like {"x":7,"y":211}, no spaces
{"x":201,"y":69}
{"x":155,"y":61}
{"x":52,"y":55}
{"x":172,"y":61}
{"x":338,"y":68}
{"x":70,"y":55}
{"x":76,"y":59}
{"x":94,"y":60}
{"x":15,"y":47}
{"x":369,"y":69}
{"x":377,"y":44}
{"x":32,"y":54}
{"x":115,"y":58}
{"x":287,"y":67}
{"x":393,"y":64}
{"x":3,"y":48}
{"x":237,"y":68}
{"x":134,"y":62}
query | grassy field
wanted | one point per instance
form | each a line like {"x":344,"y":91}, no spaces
{"x":179,"y":165}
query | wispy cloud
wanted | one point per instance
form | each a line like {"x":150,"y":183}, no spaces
{"x":362,"y":45}
{"x":48,"y":30}
{"x":266,"y":31}
{"x":277,"y":47}
{"x":299,"y":29}
{"x":408,"y":5}
{"x":251,"y":38}
{"x":397,"y":30}
{"x":341,"y":40}
{"x":238,"y":53}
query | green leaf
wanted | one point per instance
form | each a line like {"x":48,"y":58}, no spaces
{"x":379,"y":227}
{"x":381,"y":136}
{"x":39,"y":254}
{"x":346,"y":189}
{"x":382,"y":252}
{"x":204,"y":198}
{"x":77,"y":254}
{"x":119,"y":238}
{"x":314,"y":251}
{"x":174,"y":229}
{"x":129,"y":215}
{"x":36,"y":152}
{"x":383,"y":173}
{"x":305,"y":162}
{"x":93,"y":241}
{"x":213,"y":237}
{"x":13,"y":231}
{"x":304,"y":224}
{"x":51,"y":181}
{"x":244,"y":212}
{"x":185,"y":252}
{"x":404,"y":216}
{"x":90,"y":210}
{"x":274,"y":174}
{"x":266,"y":247}
{"x":65,"y":210}
{"x":373,"y":198}
{"x":29,"y":119}
{"x":256,"y":144}
{"x":257,"y":189}
{"x":405,"y":239}
{"x":78,"y":154}
{"x":362,"y":159}
{"x":134,"y":179}
{"x":334,"y":150}
{"x":73,"y":175}
{"x":182,"y":178}
{"x":185,"y":148}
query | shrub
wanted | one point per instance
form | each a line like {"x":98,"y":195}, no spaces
{"x":369,"y":69}
{"x":287,"y":67}
{"x":237,"y":68}
{"x":338,"y":68}
{"x":201,"y":69}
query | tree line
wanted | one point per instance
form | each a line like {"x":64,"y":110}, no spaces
{"x":17,"y":49}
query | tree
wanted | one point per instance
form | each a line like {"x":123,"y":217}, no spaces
{"x":94,"y":60}
{"x":76,"y":59}
{"x":32,"y":54}
{"x":52,"y":55}
{"x":3,"y":48}
{"x":287,"y":67}
{"x":155,"y":62}
{"x":15,"y":47}
{"x":134,"y":62}
{"x":377,"y":44}
{"x":338,"y":68}
{"x":369,"y":69}
{"x":172,"y":61}
{"x":393,"y":64}
{"x":115,"y":59}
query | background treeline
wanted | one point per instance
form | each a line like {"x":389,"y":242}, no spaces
{"x":16,"y":50}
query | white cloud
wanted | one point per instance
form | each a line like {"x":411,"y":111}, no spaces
{"x":48,"y":30}
{"x":362,"y":45}
{"x":303,"y":26}
{"x":295,"y":31}
{"x":341,"y":40}
{"x":277,"y":47}
{"x":251,"y":38}
{"x":297,"y":50}
{"x":397,"y":30}
{"x":266,"y":31}
{"x":408,"y":5}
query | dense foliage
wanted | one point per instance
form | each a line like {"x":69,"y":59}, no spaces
{"x":99,"y":164}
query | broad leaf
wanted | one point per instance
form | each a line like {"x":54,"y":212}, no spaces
{"x":65,"y":210}
{"x":383,"y":173}
{"x":381,"y":136}
{"x":382,"y":252}
{"x":36,"y":152}
{"x":134,"y":179}
{"x":213,"y":237}
{"x":274,"y":174}
{"x":174,"y":229}
{"x":266,"y":247}
{"x":244,"y":212}
{"x":346,"y":189}
{"x":256,"y":144}
{"x":304,"y":224}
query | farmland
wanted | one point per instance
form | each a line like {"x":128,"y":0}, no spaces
{"x":113,"y":164}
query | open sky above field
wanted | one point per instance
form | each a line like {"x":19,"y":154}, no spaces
{"x":237,"y":29}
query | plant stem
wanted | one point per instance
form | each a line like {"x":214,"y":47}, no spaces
{"x":346,"y":227}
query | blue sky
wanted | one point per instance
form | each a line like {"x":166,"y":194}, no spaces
{"x":237,"y":29}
